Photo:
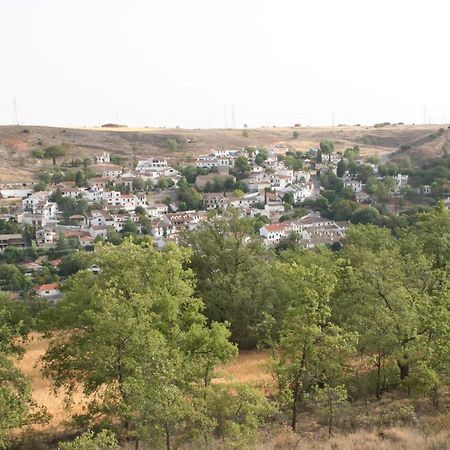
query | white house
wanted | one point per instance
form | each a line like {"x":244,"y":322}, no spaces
{"x":147,"y":165}
{"x":101,"y":158}
{"x":274,"y":232}
{"x":45,"y":236}
{"x":157,"y":210}
{"x":354,"y":185}
{"x":48,"y":292}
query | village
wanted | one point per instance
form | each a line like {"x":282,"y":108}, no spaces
{"x":105,"y":201}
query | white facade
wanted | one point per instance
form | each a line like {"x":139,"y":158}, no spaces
{"x":148,"y":164}
{"x":355,"y":185}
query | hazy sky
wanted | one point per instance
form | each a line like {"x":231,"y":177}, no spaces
{"x":186,"y":62}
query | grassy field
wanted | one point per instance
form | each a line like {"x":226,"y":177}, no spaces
{"x":427,"y":431}
{"x":248,"y":367}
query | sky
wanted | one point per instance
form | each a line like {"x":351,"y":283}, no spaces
{"x":215,"y":64}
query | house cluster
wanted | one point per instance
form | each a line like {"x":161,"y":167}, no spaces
{"x":356,"y":185}
{"x":219,"y":158}
{"x":168,"y":226}
{"x":110,"y":195}
{"x":311,"y":230}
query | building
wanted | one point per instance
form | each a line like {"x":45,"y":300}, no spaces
{"x":107,"y":170}
{"x":45,"y":237}
{"x":272,"y":233}
{"x":355,"y":185}
{"x":147,"y":165}
{"x":48,"y":292}
{"x":11,"y":240}
{"x":101,"y":158}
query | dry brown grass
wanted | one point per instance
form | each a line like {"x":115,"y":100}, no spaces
{"x":248,"y":367}
{"x":16,"y":162}
{"x":43,"y":393}
{"x":387,"y":439}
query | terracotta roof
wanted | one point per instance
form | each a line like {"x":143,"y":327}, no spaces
{"x":272,"y":227}
{"x":46,"y":287}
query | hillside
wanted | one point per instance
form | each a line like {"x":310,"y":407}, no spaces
{"x":18,"y":142}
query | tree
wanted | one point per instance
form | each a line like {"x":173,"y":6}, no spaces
{"x":295,"y":134}
{"x":261,"y":157}
{"x":329,"y":399}
{"x":342,"y":167}
{"x":12,"y":279}
{"x":229,"y":263}
{"x":327,"y":148}
{"x":105,"y":440}
{"x":129,"y":228}
{"x":241,"y":167}
{"x":134,"y":335}
{"x":172,"y":144}
{"x":288,"y":198}
{"x":365,"y":216}
{"x":397,"y":311}
{"x":165,"y":182}
{"x":53,"y":152}
{"x":352,"y":153}
{"x":138,"y":184}
{"x":16,"y":404}
{"x":311,"y":350}
{"x":342,"y":209}
{"x":237,"y":411}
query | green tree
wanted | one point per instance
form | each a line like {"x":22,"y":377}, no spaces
{"x":138,"y":184}
{"x":12,"y":279}
{"x":241,"y":167}
{"x":365,"y":216}
{"x":398,"y":311}
{"x":311,"y":350}
{"x":172,"y":143}
{"x":53,"y":152}
{"x":261,"y":157}
{"x":105,"y":440}
{"x":329,"y":400}
{"x":135,"y":336}
{"x":233,"y":274}
{"x":237,"y":412}
{"x":342,"y":167}
{"x":16,"y":404}
{"x":327,"y":148}
{"x":129,"y":228}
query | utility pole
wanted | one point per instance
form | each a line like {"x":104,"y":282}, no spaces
{"x":425,"y":114}
{"x":15,"y":115}
{"x":233,"y":117}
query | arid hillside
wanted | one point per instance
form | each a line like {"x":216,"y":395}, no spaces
{"x":18,"y":142}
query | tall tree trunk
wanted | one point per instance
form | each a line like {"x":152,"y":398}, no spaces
{"x":378,"y":384}
{"x":167,"y":437}
{"x":404,"y":369}
{"x":294,"y":415}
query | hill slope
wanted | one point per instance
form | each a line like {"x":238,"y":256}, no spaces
{"x":18,"y":142}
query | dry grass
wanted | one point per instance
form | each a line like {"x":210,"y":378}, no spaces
{"x":432,"y":433}
{"x":248,"y":367}
{"x":390,"y":439}
{"x":43,"y":393}
{"x":16,"y":162}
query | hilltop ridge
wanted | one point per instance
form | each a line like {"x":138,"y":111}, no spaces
{"x":18,"y":142}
